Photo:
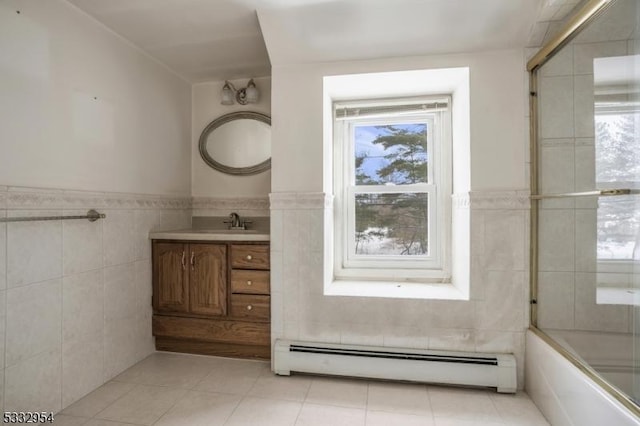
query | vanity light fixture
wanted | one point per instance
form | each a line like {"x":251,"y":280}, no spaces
{"x":246,"y":95}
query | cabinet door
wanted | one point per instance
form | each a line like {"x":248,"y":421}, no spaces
{"x":170,"y":277}
{"x":208,"y":279}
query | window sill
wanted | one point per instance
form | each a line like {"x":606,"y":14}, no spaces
{"x":394,"y":290}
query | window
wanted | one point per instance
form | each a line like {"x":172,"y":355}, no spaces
{"x":392,"y":183}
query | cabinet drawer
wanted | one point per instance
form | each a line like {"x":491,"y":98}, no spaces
{"x":249,"y":282}
{"x":250,"y":307}
{"x":250,"y":256}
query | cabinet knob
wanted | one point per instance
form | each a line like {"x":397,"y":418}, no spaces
{"x":249,"y":282}
{"x":249,"y":257}
{"x":249,"y":307}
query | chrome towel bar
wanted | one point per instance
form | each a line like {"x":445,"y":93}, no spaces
{"x":602,"y":193}
{"x":91,"y":215}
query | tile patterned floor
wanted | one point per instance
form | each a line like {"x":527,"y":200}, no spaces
{"x":186,"y":390}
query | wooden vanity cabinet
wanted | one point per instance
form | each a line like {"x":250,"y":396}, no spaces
{"x":212,"y":298}
{"x":190,"y":278}
{"x":250,"y":282}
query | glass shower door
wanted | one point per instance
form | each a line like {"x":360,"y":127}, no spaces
{"x":588,"y":207}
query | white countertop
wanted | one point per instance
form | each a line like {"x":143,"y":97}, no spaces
{"x":210,"y":235}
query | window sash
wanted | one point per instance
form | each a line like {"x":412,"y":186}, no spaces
{"x":435,"y":265}
{"x":430,"y":260}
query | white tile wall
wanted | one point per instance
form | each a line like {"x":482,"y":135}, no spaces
{"x":556,"y":107}
{"x":77,"y":310}
{"x":567,"y":228}
{"x":493,"y":319}
{"x":556,"y":300}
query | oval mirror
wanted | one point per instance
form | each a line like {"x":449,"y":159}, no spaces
{"x":238,"y":143}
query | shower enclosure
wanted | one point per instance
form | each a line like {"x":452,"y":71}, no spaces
{"x":585,"y":264}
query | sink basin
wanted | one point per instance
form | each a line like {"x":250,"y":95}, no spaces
{"x":225,"y":231}
{"x":208,"y":234}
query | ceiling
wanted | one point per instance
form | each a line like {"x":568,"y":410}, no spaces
{"x":205,"y":40}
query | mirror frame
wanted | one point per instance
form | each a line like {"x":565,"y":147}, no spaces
{"x":241,"y":171}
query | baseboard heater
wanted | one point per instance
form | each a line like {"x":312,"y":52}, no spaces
{"x":454,"y":368}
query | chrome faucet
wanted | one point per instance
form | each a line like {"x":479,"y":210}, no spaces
{"x":236,"y":222}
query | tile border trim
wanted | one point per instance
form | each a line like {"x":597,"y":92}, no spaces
{"x":230,"y":204}
{"x":18,"y":198}
{"x":475,"y":200}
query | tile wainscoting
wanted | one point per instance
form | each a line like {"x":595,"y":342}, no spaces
{"x":75,"y":296}
{"x":494,"y":319}
{"x":251,"y":207}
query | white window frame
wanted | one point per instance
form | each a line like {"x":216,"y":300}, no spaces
{"x":435,"y":267}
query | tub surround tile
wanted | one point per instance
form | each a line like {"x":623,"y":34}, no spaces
{"x":556,"y":240}
{"x":560,"y":64}
{"x":557,"y":169}
{"x":556,"y":106}
{"x":585,"y":167}
{"x":586,"y":240}
{"x":589,"y":315}
{"x":556,"y":298}
{"x":584,"y":54}
{"x":584,"y":105}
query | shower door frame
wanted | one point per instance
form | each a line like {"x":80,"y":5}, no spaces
{"x":588,"y":12}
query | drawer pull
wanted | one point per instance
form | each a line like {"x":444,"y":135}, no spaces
{"x":249,"y":307}
{"x":249,"y":257}
{"x":249,"y":282}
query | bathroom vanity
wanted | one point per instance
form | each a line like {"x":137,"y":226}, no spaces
{"x":211,"y":292}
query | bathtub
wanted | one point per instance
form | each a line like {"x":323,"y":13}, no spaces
{"x":565,"y":394}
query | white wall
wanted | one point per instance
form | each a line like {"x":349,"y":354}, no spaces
{"x":496,"y":316}
{"x":206,"y":107}
{"x":83,"y":109}
{"x":497,"y":117}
